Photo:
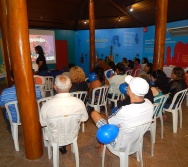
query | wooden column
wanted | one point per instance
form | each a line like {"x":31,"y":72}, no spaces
{"x":92,"y":34}
{"x":5,"y":38}
{"x":160,"y":34}
{"x":21,"y":63}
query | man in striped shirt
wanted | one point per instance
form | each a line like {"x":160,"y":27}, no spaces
{"x":9,"y":95}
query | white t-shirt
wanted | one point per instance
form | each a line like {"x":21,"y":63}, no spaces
{"x":62,"y":104}
{"x":115,"y":82}
{"x":132,"y":115}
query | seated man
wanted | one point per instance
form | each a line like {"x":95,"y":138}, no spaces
{"x":138,"y":112}
{"x":62,"y":104}
{"x":136,"y":66}
{"x":9,"y":95}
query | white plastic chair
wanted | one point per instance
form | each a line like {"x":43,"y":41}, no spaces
{"x":82,"y":96}
{"x":137,"y":72}
{"x":63,"y":131}
{"x":115,"y":97}
{"x":152,"y":127}
{"x":174,"y":107}
{"x":134,"y":144}
{"x":99,"y":98}
{"x":39,"y":79}
{"x":162,"y":100}
{"x":129,"y":72}
{"x":14,"y":125}
{"x":49,"y":85}
{"x":42,"y":88}
{"x":40,"y":103}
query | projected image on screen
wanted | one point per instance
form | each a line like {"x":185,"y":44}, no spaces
{"x":46,"y":40}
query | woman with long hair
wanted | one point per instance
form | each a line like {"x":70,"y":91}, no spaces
{"x":41,"y":60}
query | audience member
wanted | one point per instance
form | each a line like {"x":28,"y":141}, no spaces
{"x":107,"y":60}
{"x":101,"y":80}
{"x":112,"y":65}
{"x":66,"y":73}
{"x":160,"y":81}
{"x":77,"y":77}
{"x":130,"y":66}
{"x":138,"y":112}
{"x":116,"y":80}
{"x":147,"y":69}
{"x":62,"y":104}
{"x":148,"y":95}
{"x":177,"y":84}
{"x":136,"y":66}
{"x":9,"y":95}
{"x":125,"y":62}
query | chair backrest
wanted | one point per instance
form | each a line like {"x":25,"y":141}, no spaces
{"x":137,"y":72}
{"x":156,"y":107}
{"x":49,"y":82}
{"x":63,"y":130}
{"x":99,"y":95}
{"x":40,"y":102}
{"x":130,"y":138}
{"x":162,"y":100}
{"x":13,"y":117}
{"x":39,"y":79}
{"x":42,"y":88}
{"x":178,"y":99}
{"x":80,"y":95}
{"x":115,"y":95}
{"x":129,"y":72}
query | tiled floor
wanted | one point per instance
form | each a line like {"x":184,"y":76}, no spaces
{"x":172,"y":151}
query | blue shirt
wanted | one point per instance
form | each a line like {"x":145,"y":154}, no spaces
{"x":9,"y":95}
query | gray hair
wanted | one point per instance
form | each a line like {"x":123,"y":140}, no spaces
{"x":63,"y":82}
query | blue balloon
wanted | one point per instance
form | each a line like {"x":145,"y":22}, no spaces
{"x":92,"y":77}
{"x":109,"y":72}
{"x":152,"y":83}
{"x":114,"y":110}
{"x":123,"y":88}
{"x":107,"y":133}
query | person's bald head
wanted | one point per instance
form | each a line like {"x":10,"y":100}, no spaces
{"x":62,"y":84}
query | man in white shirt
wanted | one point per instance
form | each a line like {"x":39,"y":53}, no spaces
{"x":138,"y":112}
{"x":62,"y":104}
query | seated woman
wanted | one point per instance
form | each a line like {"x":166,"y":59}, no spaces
{"x":160,"y":81}
{"x":147,"y":69}
{"x":77,"y":77}
{"x":101,"y":80}
{"x":177,"y":84}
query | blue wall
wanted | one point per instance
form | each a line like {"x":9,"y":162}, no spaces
{"x":124,"y":42}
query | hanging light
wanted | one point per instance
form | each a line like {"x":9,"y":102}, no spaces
{"x":85,"y":22}
{"x":131,"y":9}
{"x":119,"y":19}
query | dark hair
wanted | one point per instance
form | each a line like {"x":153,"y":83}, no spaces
{"x":100,"y":74}
{"x":124,"y":59}
{"x":39,"y":49}
{"x":70,"y":66}
{"x":120,"y":67}
{"x":179,"y":72}
{"x":146,"y":78}
{"x":112,"y":65}
{"x":145,"y":60}
{"x":131,"y":64}
{"x":161,"y":80}
{"x":137,"y":60}
{"x":150,"y":65}
{"x":106,"y":59}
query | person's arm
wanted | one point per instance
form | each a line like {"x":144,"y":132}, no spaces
{"x":40,"y":63}
{"x":43,"y":116}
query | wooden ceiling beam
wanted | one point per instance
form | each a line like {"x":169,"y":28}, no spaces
{"x":124,"y":12}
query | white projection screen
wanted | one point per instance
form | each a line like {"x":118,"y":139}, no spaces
{"x":46,"y":39}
